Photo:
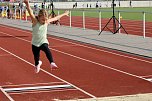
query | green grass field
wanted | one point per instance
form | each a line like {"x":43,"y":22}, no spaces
{"x":126,"y":13}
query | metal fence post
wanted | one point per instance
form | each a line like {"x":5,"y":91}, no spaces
{"x":119,"y":21}
{"x":99,"y":20}
{"x":59,"y":14}
{"x":144,"y":25}
{"x":26,"y":15}
{"x":70,"y":19}
{"x":83,"y":20}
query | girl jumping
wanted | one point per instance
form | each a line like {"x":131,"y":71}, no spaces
{"x":39,"y":35}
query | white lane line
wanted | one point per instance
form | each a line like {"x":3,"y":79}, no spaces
{"x":149,"y":79}
{"x":22,"y":89}
{"x":6,"y":94}
{"x":89,"y":47}
{"x":64,"y":46}
{"x":49,"y":73}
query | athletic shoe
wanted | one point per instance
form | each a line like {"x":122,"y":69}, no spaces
{"x":38,"y":67}
{"x":54,"y":66}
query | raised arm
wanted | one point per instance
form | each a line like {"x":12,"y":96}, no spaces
{"x":58,"y":17}
{"x":30,"y":11}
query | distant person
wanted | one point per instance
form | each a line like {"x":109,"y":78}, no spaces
{"x":76,"y":4}
{"x":130,"y":3}
{"x":14,"y":11}
{"x":52,"y":5}
{"x":39,"y":35}
{"x":100,"y":5}
{"x":97,"y":5}
{"x":42,"y":5}
{"x":73,"y":5}
{"x":90,"y":5}
{"x":8,"y":13}
{"x":14,"y":6}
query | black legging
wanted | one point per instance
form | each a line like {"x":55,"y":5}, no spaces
{"x":36,"y":53}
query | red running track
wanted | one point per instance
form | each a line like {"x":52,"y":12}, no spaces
{"x":133,"y":27}
{"x":89,"y":71}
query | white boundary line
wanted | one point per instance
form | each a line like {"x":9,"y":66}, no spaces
{"x":7,"y":95}
{"x":65,"y":46}
{"x":149,"y":79}
{"x":90,"y":47}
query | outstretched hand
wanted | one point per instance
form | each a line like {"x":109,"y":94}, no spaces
{"x":66,"y":13}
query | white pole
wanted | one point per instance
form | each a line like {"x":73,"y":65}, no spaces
{"x":21,"y":3}
{"x":59,"y":14}
{"x":25,"y":14}
{"x":119,"y":21}
{"x":144,"y":25}
{"x":70,"y":19}
{"x":99,"y":20}
{"x":83,"y":20}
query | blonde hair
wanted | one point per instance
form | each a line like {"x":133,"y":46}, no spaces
{"x":43,"y":12}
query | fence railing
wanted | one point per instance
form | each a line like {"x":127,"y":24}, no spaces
{"x":141,"y":26}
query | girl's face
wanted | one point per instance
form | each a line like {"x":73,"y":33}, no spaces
{"x":42,"y":19}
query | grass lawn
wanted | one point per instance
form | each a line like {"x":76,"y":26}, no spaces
{"x":126,"y":13}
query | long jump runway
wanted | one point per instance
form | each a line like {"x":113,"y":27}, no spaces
{"x":85,"y":71}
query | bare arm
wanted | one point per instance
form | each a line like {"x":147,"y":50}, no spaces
{"x":58,"y":17}
{"x":30,"y":11}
